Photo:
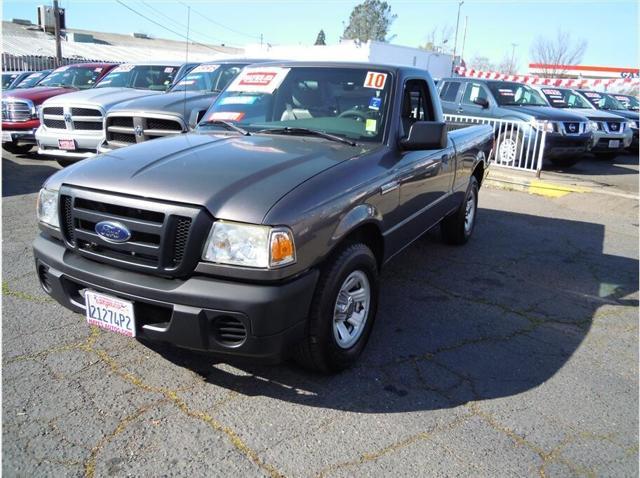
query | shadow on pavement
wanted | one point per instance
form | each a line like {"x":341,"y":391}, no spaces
{"x":493,"y":319}
{"x":592,"y":165}
{"x":25,"y":177}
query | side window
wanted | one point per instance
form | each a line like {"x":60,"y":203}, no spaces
{"x":473,"y":92}
{"x":450,"y":90}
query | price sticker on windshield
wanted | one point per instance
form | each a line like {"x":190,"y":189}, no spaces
{"x":124,"y":68}
{"x":592,"y":95}
{"x":375,"y":80}
{"x":205,"y":69}
{"x":552,"y":92}
{"x":259,"y":80}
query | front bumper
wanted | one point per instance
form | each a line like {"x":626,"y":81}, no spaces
{"x":184,"y":312}
{"x":19,"y":136}
{"x":86,"y":143}
{"x":558,"y":145}
{"x":602,"y":142}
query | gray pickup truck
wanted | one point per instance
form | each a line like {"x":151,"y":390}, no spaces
{"x":177,"y":111}
{"x":263,"y":233}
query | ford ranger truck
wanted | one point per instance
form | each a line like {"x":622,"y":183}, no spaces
{"x":21,"y":107}
{"x":607,"y":102}
{"x":263,"y":233}
{"x":610,"y":134}
{"x":567,"y":138}
{"x":72,"y":126}
{"x":177,"y":111}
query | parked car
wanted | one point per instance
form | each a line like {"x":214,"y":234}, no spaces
{"x":11,"y":78}
{"x":177,"y":111}
{"x":604,"y":101}
{"x":630,"y":102}
{"x":21,"y":107}
{"x":264,"y":231}
{"x":72,"y":126}
{"x":610,"y":133}
{"x":507,"y":100}
{"x":33,"y":79}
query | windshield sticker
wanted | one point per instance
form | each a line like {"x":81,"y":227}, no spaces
{"x":592,"y":95}
{"x":34,"y":75}
{"x":259,"y":80}
{"x":226,"y":116}
{"x":506,"y":92}
{"x":238,"y":100}
{"x":97,"y":70}
{"x":552,"y":92}
{"x":62,"y":68}
{"x":375,"y":103}
{"x":205,"y":69}
{"x":124,"y":68}
{"x":185,"y":82}
{"x":370,"y":125}
{"x":375,"y":80}
{"x":105,"y":82}
{"x":621,"y":98}
{"x":169,"y":69}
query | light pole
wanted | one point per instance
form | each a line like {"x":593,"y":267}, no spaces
{"x":512,"y":65}
{"x":455,"y":45}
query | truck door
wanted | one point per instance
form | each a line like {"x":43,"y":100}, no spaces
{"x":469,"y":104}
{"x":425,"y":177}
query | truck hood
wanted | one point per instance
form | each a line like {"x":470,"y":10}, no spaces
{"x":595,"y":115}
{"x":104,"y":97}
{"x":632,"y":115}
{"x":235,"y":177}
{"x":39,"y":93}
{"x":546,"y":113}
{"x":175,"y":102}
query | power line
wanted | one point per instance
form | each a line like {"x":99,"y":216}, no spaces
{"x":218,"y":50}
{"x":220,"y":24}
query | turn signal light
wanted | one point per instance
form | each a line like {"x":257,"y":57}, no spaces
{"x":282,"y":248}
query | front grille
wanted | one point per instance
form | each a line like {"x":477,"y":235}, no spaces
{"x":121,"y":137}
{"x":160,"y":233}
{"x":573,"y":127}
{"x":158,"y":123}
{"x":229,"y":331}
{"x":615,"y":126}
{"x":85,"y":112}
{"x":16,"y":110}
{"x":120,"y":121}
{"x":55,"y":124}
{"x":53,"y":110}
{"x":87,"y":125}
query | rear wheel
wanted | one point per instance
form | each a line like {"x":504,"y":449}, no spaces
{"x":458,"y":227}
{"x":342,"y":311}
{"x":15,"y":148}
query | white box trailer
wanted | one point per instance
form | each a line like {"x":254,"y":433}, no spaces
{"x":438,"y":64}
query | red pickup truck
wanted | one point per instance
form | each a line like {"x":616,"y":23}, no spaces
{"x":20,"y":108}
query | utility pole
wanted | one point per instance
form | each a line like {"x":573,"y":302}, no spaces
{"x":261,"y":40}
{"x":512,"y":65}
{"x":464,"y":36}
{"x":56,"y":16}
{"x":455,"y":44}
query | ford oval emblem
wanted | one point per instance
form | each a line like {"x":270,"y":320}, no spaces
{"x":112,"y":231}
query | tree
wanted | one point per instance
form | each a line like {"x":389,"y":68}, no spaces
{"x":370,"y":20}
{"x":321,"y":38}
{"x":481,"y":63}
{"x":509,"y":64}
{"x":437,"y":39}
{"x":556,"y":52}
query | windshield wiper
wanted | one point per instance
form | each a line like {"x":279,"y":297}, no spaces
{"x":307,"y":131}
{"x":230,"y":126}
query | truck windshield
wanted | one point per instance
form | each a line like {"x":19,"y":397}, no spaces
{"x":602,"y":101}
{"x":515,"y":94}
{"x":143,"y":77}
{"x":33,"y":79}
{"x":72,"y":77}
{"x":208,"y":77}
{"x":565,"y":99}
{"x":630,"y":102}
{"x":348,"y":102}
{"x":8,"y":78}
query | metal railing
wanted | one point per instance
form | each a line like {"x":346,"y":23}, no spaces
{"x":518,"y":144}
{"x":37,"y":63}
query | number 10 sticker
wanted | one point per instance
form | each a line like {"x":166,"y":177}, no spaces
{"x":375,"y":80}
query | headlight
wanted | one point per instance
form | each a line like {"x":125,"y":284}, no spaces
{"x":632,"y":124}
{"x":48,"y":207}
{"x":543,"y":125}
{"x":249,"y":245}
{"x":593,"y":126}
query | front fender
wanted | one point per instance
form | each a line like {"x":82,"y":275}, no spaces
{"x":356,"y":217}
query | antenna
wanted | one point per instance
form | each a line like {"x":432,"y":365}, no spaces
{"x":184,"y":102}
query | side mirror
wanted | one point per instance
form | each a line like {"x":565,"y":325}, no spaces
{"x":195,"y":118}
{"x":425,"y":135}
{"x":481,"y":102}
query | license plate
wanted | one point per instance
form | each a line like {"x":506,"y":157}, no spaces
{"x":67,"y":144}
{"x":6,"y":137}
{"x":614,"y":143}
{"x":110,"y":313}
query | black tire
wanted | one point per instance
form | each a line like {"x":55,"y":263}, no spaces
{"x":509,"y":138}
{"x":607,"y":156}
{"x":65,"y":162}
{"x":14,"y":148}
{"x":453,"y":228}
{"x":564,"y":162}
{"x":319,"y":350}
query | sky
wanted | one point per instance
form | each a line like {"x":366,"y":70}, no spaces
{"x":610,"y":27}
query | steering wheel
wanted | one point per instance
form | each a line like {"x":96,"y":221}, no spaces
{"x":356,"y":114}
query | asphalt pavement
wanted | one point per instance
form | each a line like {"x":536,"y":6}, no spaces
{"x":515,"y":355}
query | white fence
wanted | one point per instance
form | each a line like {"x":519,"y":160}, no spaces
{"x":37,"y":63}
{"x":518,"y":145}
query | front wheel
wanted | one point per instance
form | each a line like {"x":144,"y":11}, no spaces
{"x":458,"y":227}
{"x":15,"y":148}
{"x":342,"y":311}
{"x":509,"y":147}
